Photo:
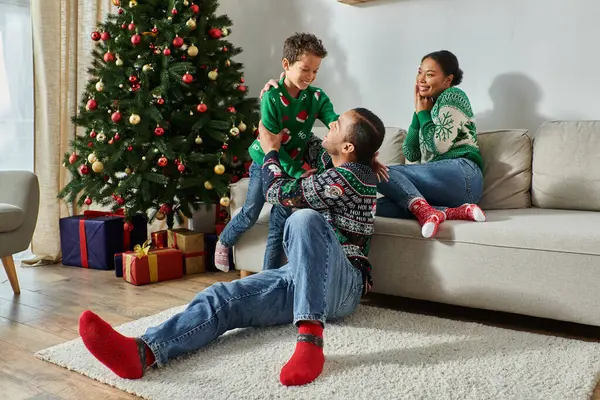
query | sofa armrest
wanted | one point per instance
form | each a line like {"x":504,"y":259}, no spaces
{"x":238,"y":192}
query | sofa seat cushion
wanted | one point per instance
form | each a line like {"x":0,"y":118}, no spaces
{"x":11,"y":217}
{"x":533,"y":228}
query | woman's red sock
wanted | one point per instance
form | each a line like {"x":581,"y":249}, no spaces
{"x":307,"y":361}
{"x":125,"y":356}
{"x":429,"y":218}
{"x":466,"y":212}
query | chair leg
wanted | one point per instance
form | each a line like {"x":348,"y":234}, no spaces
{"x":244,"y":274}
{"x":11,"y":272}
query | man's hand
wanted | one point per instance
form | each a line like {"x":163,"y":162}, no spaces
{"x":271,"y":83}
{"x":308,"y":173}
{"x":380,"y":169}
{"x":269,"y":141}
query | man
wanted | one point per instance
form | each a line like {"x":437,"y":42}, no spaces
{"x":326,"y":243}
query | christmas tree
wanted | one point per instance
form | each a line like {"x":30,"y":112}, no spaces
{"x":165,"y":114}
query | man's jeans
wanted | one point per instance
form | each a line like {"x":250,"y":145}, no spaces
{"x":247,"y":217}
{"x":317,"y":284}
{"x":446,"y":183}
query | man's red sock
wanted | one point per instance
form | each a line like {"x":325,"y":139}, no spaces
{"x":429,"y":218}
{"x":127,"y":357}
{"x":466,"y":212}
{"x":307,"y":362}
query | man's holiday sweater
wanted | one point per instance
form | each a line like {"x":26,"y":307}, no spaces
{"x":279,"y":110}
{"x":446,"y":132}
{"x":345,"y":195}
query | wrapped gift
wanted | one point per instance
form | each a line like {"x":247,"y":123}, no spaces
{"x":194,"y":263}
{"x":210,"y":243}
{"x":143,"y":266}
{"x":90,"y":242}
{"x":160,"y":239}
{"x":138,"y":233}
{"x":186,"y":240}
{"x":119,"y":265}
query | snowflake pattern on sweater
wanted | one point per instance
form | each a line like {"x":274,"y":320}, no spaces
{"x":346,"y":196}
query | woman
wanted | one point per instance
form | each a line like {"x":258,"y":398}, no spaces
{"x":447,"y":179}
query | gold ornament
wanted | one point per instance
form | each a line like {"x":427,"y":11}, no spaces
{"x":98,"y":166}
{"x":134,"y":119}
{"x":208,"y":185}
{"x":192,"y":51}
{"x":92,"y":158}
{"x":128,"y":171}
{"x":213,"y":75}
{"x":191,"y":24}
{"x":144,"y":158}
{"x":119,"y":62}
{"x":186,"y":3}
{"x":225,"y":31}
{"x":116,"y":3}
{"x":242,"y":127}
{"x":147,"y":68}
{"x":198,"y":140}
{"x":100,"y":86}
{"x":234,"y":131}
{"x":219,"y":169}
{"x":160,"y":216}
{"x":132,"y":3}
{"x":225,"y":201}
{"x":228,"y":63}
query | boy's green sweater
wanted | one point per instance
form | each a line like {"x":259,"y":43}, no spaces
{"x":279,"y":110}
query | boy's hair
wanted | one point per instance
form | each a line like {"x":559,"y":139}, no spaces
{"x":300,"y":44}
{"x":366,"y":134}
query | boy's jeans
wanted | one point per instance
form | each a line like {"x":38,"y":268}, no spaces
{"x":318,"y":283}
{"x":248,"y":216}
{"x":446,"y":183}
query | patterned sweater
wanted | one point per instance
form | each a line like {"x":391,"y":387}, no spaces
{"x":446,"y":132}
{"x":280,"y":110}
{"x":346,"y":196}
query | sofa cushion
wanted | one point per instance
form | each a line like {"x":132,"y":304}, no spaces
{"x":11,"y":217}
{"x":532,"y":228}
{"x":566,"y":166}
{"x":507,"y":169}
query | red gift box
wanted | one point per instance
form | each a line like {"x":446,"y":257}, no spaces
{"x":144,"y":266}
{"x":160,"y":239}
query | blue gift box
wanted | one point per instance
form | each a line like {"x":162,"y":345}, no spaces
{"x":119,"y":265}
{"x":210,"y":244}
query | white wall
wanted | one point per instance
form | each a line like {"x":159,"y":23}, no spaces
{"x":525,"y":61}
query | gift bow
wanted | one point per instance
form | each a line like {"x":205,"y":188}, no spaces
{"x":142,"y":251}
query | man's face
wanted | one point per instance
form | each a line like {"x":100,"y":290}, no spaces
{"x":336,"y":140}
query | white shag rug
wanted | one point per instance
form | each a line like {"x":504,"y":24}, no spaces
{"x":374,"y":354}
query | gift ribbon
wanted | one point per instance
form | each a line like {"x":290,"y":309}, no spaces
{"x":83,"y":244}
{"x":141,"y":251}
{"x":173,"y":235}
{"x":152,"y":267}
{"x":118,"y":213}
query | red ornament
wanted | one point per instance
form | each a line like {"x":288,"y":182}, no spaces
{"x":117,"y":136}
{"x":223,"y":214}
{"x":195,"y":8}
{"x":242,"y":80}
{"x":215,"y":33}
{"x":84,"y":170}
{"x":235,"y":179}
{"x":90,"y":144}
{"x":120,"y":201}
{"x":167,"y":51}
{"x":129,"y":148}
{"x":152,"y":46}
{"x":127,"y":226}
{"x":225,"y":49}
{"x":183,"y":57}
{"x":231,"y":109}
{"x":155,"y":30}
{"x":242,"y":88}
{"x":235,"y":159}
{"x":120,"y":11}
{"x":225,"y":147}
{"x":159,"y":131}
{"x":73,"y":159}
{"x":136,"y":39}
{"x":106,"y":178}
{"x":202,"y":108}
{"x":166,"y":208}
{"x":88,"y":201}
{"x":116,"y":117}
{"x":133,"y":79}
{"x":124,"y":26}
{"x":105,"y":36}
{"x":109,"y":57}
{"x":161,"y":101}
{"x":136,"y":87}
{"x":95,"y":36}
{"x":131,"y":27}
{"x":93,"y":134}
{"x":181,"y":167}
{"x":92,"y":104}
{"x":178,"y":42}
{"x":174,"y":11}
{"x":162,"y":162}
{"x":188,"y":78}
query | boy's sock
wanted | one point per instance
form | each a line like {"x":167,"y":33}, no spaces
{"x":429,"y":218}
{"x":466,"y":212}
{"x":222,"y":257}
{"x":125,"y":356}
{"x":307,"y":361}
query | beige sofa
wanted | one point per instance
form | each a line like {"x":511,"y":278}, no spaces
{"x":539,"y":252}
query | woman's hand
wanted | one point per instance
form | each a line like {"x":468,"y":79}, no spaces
{"x":380,"y":169}
{"x":423,"y":103}
{"x":271,"y":83}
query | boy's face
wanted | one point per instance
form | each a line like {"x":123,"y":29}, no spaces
{"x":304,"y":71}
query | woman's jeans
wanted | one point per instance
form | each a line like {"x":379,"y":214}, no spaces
{"x":317,"y":284}
{"x":247,"y":217}
{"x":446,"y":183}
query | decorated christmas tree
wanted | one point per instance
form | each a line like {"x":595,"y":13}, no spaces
{"x":165,"y":117}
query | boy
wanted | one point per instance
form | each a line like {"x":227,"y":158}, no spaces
{"x":293,"y":106}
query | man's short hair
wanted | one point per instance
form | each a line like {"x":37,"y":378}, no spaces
{"x":366,"y":134}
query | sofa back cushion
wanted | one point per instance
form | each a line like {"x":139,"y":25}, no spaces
{"x":390,"y":151}
{"x":566,"y":166}
{"x":507,"y":158}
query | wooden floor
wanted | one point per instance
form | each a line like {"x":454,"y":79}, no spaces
{"x":52,"y":298}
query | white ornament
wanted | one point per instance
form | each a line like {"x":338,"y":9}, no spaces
{"x":100,"y":86}
{"x":101,"y":137}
